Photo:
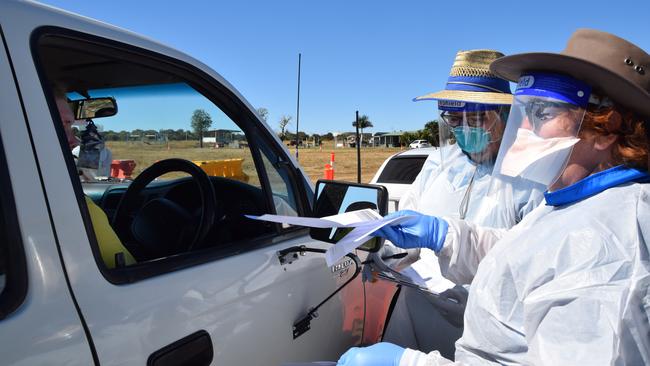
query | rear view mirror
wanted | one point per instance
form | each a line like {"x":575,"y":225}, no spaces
{"x":335,"y":197}
{"x":94,"y":108}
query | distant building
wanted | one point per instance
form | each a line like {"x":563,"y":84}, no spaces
{"x":351,"y":139}
{"x":386,"y":139}
{"x":224,"y":138}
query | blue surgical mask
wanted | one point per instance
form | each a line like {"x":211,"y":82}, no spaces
{"x":471,"y":139}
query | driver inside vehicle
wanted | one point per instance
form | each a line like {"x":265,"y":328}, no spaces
{"x":110,"y":247}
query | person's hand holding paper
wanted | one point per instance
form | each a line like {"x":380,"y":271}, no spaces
{"x":416,"y":231}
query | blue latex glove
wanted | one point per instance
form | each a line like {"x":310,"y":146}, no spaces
{"x":422,"y":231}
{"x":379,"y":354}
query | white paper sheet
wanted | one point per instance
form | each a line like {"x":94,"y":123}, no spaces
{"x":348,"y":219}
{"x":426,"y":273}
{"x":357,"y":237}
{"x":364,"y":223}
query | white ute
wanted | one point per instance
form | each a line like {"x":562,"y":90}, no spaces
{"x":208,"y":286}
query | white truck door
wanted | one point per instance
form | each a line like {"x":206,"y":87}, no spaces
{"x":39,"y":323}
{"x":231,"y":297}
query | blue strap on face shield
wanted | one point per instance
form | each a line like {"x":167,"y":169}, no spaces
{"x":459,"y":106}
{"x":595,"y":184}
{"x":558,"y":87}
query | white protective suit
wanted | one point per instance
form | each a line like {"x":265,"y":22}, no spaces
{"x":568,"y":285}
{"x":439,"y":190}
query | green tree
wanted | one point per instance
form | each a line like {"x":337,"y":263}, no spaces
{"x":407,"y":137}
{"x":137,"y":135}
{"x":364,"y":122}
{"x":432,"y":127}
{"x":302,"y":136}
{"x":263,"y":113}
{"x":284,"y":122}
{"x":201,"y":121}
{"x":123,"y":135}
{"x":181,"y":134}
{"x":316,"y":137}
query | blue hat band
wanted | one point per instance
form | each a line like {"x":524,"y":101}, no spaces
{"x":559,"y":87}
{"x":458,"y":106}
{"x":477,"y":84}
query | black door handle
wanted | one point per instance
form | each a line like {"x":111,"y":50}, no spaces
{"x":195,"y":349}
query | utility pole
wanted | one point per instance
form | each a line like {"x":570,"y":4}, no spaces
{"x":298,"y":107}
{"x":358,"y":150}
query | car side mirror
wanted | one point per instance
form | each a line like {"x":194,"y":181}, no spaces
{"x":336,"y":197}
{"x":94,"y":108}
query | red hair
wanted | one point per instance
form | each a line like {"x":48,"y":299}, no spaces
{"x":631,"y":146}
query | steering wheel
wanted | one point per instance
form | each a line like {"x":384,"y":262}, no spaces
{"x":162,"y":227}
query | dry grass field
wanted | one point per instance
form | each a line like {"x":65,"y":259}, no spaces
{"x":312,"y":160}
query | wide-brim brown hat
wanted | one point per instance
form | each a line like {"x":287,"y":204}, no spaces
{"x":471,"y":80}
{"x":612,"y":66}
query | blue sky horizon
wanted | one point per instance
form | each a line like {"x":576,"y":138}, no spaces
{"x":371,"y":56}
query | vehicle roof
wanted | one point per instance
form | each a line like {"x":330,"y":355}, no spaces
{"x":422,"y":152}
{"x":425,"y":151}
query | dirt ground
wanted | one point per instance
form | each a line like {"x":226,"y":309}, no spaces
{"x":345,"y":161}
{"x":313,"y":160}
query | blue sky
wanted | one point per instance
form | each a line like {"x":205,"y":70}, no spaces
{"x":371,"y":56}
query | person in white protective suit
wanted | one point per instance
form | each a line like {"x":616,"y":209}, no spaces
{"x":473,"y":109}
{"x":569,"y":284}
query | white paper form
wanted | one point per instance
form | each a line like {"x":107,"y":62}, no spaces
{"x":357,"y":237}
{"x":426,"y":273}
{"x":348,"y":219}
{"x":364,"y":223}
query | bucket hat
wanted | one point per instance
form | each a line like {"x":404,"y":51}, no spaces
{"x":611,"y":65}
{"x":471,"y":80}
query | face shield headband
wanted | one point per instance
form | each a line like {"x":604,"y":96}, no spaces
{"x":542,"y":127}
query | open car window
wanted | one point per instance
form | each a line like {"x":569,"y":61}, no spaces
{"x":157,"y":121}
{"x":150,"y":112}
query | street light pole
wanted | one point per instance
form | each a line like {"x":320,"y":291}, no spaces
{"x":358,"y":150}
{"x":298,"y":107}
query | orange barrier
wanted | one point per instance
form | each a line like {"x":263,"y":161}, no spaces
{"x":228,"y":168}
{"x":122,"y":169}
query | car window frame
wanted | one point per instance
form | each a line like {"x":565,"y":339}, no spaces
{"x":403,"y":157}
{"x":223,"y":98}
{"x":16,"y":278}
{"x":14,"y":292}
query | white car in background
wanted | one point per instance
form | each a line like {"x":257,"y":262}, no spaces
{"x":417,"y":144}
{"x":399,"y":171}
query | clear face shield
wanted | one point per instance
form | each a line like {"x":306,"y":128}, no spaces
{"x":542,"y":129}
{"x":475,"y":129}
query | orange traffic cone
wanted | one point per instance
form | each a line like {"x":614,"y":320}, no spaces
{"x":328,"y":173}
